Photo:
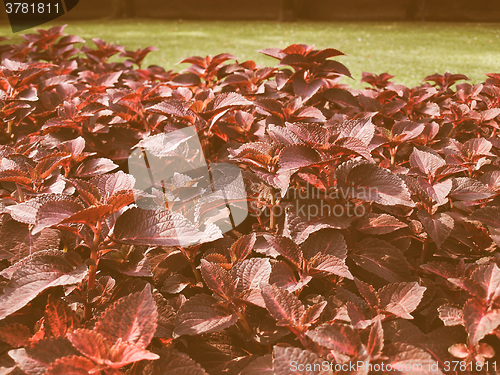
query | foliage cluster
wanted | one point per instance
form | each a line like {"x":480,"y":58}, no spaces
{"x":92,"y":282}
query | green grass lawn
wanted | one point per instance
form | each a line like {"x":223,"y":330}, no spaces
{"x":410,"y":51}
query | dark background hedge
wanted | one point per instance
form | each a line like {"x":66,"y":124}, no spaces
{"x":324,"y":10}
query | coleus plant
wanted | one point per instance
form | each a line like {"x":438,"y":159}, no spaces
{"x":371,"y":240}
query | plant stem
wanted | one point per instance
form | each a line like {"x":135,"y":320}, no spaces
{"x":244,"y":324}
{"x":9,"y":128}
{"x":272,"y":219}
{"x":20,"y":193}
{"x":92,"y":268}
{"x":423,"y":254}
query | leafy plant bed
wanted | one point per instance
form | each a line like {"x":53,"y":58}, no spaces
{"x":369,"y":231}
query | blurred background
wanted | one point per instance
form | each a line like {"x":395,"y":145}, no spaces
{"x":292,"y":10}
{"x":410,"y":39}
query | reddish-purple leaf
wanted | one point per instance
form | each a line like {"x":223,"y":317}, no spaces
{"x":200,"y":314}
{"x":94,"y":167}
{"x":173,"y":362}
{"x":341,"y":338}
{"x":368,"y":292}
{"x":286,"y":247}
{"x":325,"y":264}
{"x":379,"y":224}
{"x":52,"y":213}
{"x":15,"y":334}
{"x":132,"y":318}
{"x":487,"y":215}
{"x":303,"y":88}
{"x":372,"y":184}
{"x":218,"y":279}
{"x":325,"y":241}
{"x":403,"y":131}
{"x":72,"y":365}
{"x":17,"y":241}
{"x":426,"y":162}
{"x":297,"y":156}
{"x":242,"y":247}
{"x":313,"y":313}
{"x":401,"y":299}
{"x":59,"y":318}
{"x":479,"y":320}
{"x":488,"y":277}
{"x":382,"y":259}
{"x":36,"y":358}
{"x":160,"y":227}
{"x":283,"y":306}
{"x":411,"y":360}
{"x":90,"y":343}
{"x":294,"y":361}
{"x":451,"y":315}
{"x":34,"y":274}
{"x":468,"y":189}
{"x":283,"y":276}
{"x":250,"y":274}
{"x":111,"y":183}
{"x":438,"y":226}
{"x":376,"y":339}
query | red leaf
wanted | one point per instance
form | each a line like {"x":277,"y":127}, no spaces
{"x":90,"y":343}
{"x":73,"y":365}
{"x":293,"y":361}
{"x":479,"y":321}
{"x":94,"y":167}
{"x":52,"y":213}
{"x":16,"y":335}
{"x":376,"y":339}
{"x":176,"y":362}
{"x":89,"y":215}
{"x":283,"y":306}
{"x":382,"y":259}
{"x":94,"y":346}
{"x":59,"y":318}
{"x":200,"y":314}
{"x":335,"y":337}
{"x":36,"y":358}
{"x":313,"y":313}
{"x":438,"y":226}
{"x":368,"y":293}
{"x":401,"y":299}
{"x":111,"y":183}
{"x":325,"y":264}
{"x":303,"y":88}
{"x":294,"y":157}
{"x":161,"y":228}
{"x":286,"y":247}
{"x":411,"y":360}
{"x":488,"y":277}
{"x":34,"y":274}
{"x":426,"y":162}
{"x":325,"y":241}
{"x":451,"y":315}
{"x":242,"y":247}
{"x":250,"y":274}
{"x":218,"y":279}
{"x":379,"y":224}
{"x":132,"y":318}
{"x":468,"y":189}
{"x":459,"y":350}
{"x":372,"y":184}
